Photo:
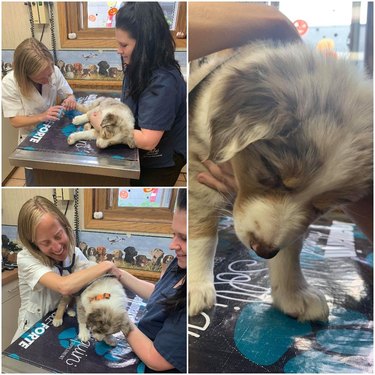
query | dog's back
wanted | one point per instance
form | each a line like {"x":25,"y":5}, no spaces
{"x":98,"y":104}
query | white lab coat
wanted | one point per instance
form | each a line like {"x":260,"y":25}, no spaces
{"x":14,"y":104}
{"x":36,"y":299}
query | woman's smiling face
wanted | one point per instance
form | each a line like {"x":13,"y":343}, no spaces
{"x":51,"y":238}
{"x":126,"y":45}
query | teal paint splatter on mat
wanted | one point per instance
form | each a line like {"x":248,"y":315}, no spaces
{"x":14,"y":356}
{"x":263,"y":334}
{"x":68,"y":337}
{"x":314,"y":361}
{"x":69,"y":129}
{"x":346,"y":341}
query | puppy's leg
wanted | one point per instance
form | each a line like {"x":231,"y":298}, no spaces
{"x":71,"y":312}
{"x":87,"y":126}
{"x":103,"y":143}
{"x":202,"y":247}
{"x":127,"y":325}
{"x":81,"y":119}
{"x":83,"y":332}
{"x":86,"y":135}
{"x":58,"y":319}
{"x":127,"y":138}
{"x":82,"y":108}
{"x":115,"y":140}
{"x":290,"y":291}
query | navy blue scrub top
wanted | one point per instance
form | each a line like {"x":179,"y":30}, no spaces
{"x":166,"y":329}
{"x":161,"y":106}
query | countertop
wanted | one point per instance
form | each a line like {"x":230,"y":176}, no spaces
{"x":9,"y":276}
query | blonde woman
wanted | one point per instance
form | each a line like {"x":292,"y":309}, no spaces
{"x":46,"y":261}
{"x":29,"y":92}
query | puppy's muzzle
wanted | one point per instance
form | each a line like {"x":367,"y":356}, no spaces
{"x":263,"y":250}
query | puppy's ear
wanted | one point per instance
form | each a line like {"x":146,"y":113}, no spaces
{"x":227,"y":142}
{"x":249,"y":108}
{"x":108,"y":124}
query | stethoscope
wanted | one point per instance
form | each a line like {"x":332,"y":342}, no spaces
{"x":61,"y":268}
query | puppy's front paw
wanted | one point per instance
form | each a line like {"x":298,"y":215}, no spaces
{"x":84,"y":334}
{"x":201,"y":296}
{"x":71,"y":312}
{"x":110,"y":340}
{"x":102,"y":143}
{"x":131,"y":142}
{"x":307,"y":304}
{"x":57,"y":322}
{"x":78,"y":120}
{"x":71,"y":140}
{"x":127,"y":326}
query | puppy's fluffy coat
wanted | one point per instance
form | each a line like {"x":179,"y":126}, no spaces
{"x":117,"y":124}
{"x":297,"y":128}
{"x":101,"y":310}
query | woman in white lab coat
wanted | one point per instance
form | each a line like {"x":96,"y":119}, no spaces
{"x":29,"y":92}
{"x":47,"y":262}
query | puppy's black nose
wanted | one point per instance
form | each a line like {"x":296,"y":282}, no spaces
{"x":264,"y":251}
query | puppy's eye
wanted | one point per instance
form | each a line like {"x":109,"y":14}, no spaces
{"x":317,"y":211}
{"x":273,"y":178}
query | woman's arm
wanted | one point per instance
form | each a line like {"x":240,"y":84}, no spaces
{"x":66,"y":285}
{"x":25,"y":121}
{"x":217,"y":26}
{"x":140,"y":287}
{"x":146,"y":139}
{"x":144,"y":348}
{"x":69,"y":102}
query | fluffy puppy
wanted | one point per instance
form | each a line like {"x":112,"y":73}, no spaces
{"x":297,"y":128}
{"x":116,"y":127}
{"x":101,"y":310}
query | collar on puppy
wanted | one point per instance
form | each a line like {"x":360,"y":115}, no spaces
{"x":100,"y":297}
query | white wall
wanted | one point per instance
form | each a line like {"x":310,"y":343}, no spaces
{"x":14,"y":198}
{"x":16,"y":25}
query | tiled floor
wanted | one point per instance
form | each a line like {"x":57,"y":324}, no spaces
{"x":18,"y":178}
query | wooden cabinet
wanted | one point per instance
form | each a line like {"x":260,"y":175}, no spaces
{"x":11,"y":303}
{"x":10,"y":139}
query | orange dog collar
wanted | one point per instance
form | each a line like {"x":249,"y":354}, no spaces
{"x":100,"y":297}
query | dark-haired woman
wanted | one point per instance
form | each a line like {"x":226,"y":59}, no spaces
{"x":155,"y":90}
{"x":160,"y":338}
